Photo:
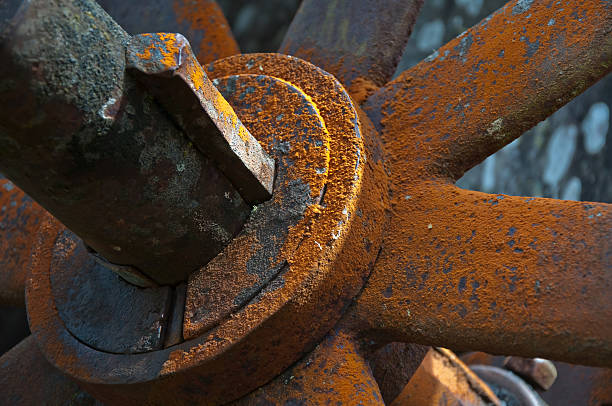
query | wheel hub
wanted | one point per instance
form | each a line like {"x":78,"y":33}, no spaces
{"x":271,"y":294}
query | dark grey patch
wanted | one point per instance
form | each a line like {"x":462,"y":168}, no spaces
{"x":521,"y":6}
{"x":102,"y":310}
{"x":461,"y":285}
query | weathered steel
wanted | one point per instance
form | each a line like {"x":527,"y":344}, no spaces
{"x":575,"y":384}
{"x":260,"y":255}
{"x":86,"y":142}
{"x":486,"y":87}
{"x":359,"y":42}
{"x":393,"y":365}
{"x":335,"y":248}
{"x":502,"y":274}
{"x":166,"y":66}
{"x":19,"y":220}
{"x":26,"y":378}
{"x":335,"y":372}
{"x":101,"y":309}
{"x":511,"y":389}
{"x":538,"y":372}
{"x":443,"y":380}
{"x":201,"y":21}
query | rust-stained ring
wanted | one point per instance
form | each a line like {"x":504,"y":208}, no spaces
{"x":264,"y":337}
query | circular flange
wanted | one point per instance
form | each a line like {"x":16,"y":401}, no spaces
{"x":338,"y":243}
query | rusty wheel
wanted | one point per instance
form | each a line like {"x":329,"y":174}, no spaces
{"x":365,"y":243}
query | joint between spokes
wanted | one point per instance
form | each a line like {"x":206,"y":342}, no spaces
{"x":165,"y":64}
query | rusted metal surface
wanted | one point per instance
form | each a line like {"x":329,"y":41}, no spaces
{"x":260,"y":255}
{"x":512,"y":390}
{"x":393,"y":365}
{"x":575,"y":384}
{"x":506,"y":275}
{"x":85,"y":141}
{"x":335,"y":372}
{"x":165,"y":64}
{"x":443,"y":380}
{"x":456,"y":268}
{"x":99,"y":308}
{"x":201,"y":21}
{"x":26,"y":378}
{"x":539,"y":373}
{"x":487,"y":86}
{"x":359,"y":42}
{"x":19,"y":220}
{"x":260,"y":340}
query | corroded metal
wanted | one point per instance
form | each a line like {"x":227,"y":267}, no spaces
{"x":490,"y":84}
{"x":507,"y":275}
{"x":509,"y":387}
{"x":443,"y":380}
{"x":393,"y":365}
{"x":335,"y":261}
{"x":86,"y":142}
{"x":538,"y":372}
{"x":201,"y":21}
{"x":360,"y":42}
{"x":333,"y":253}
{"x":335,"y":371}
{"x":165,"y":64}
{"x":19,"y":220}
{"x":27,"y":378}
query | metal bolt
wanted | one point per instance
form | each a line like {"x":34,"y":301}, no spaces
{"x":83,"y":138}
{"x":171,"y":72}
{"x":540,"y":373}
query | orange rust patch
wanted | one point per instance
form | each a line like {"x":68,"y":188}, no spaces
{"x":206,"y":16}
{"x":334,"y":371}
{"x":361,"y":88}
{"x":496,"y":273}
{"x":442,"y":379}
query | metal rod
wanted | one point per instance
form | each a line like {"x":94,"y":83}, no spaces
{"x":87,"y":142}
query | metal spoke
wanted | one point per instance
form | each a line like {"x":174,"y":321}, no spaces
{"x":502,"y":274}
{"x":487,"y":86}
{"x":360,"y":42}
{"x":201,"y":21}
{"x":19,"y":219}
{"x":28,"y":379}
{"x":334,"y":370}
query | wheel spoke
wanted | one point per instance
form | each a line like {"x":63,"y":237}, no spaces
{"x":487,"y":86}
{"x":19,"y":220}
{"x":28,"y":379}
{"x":334,"y":371}
{"x":502,"y":274}
{"x":201,"y":21}
{"x":360,"y":42}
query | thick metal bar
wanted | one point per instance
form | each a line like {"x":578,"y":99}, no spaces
{"x":201,"y":21}
{"x":360,"y":42}
{"x":19,"y":220}
{"x":502,"y":274}
{"x":91,"y":146}
{"x":487,"y":86}
{"x":26,"y":378}
{"x":165,"y":64}
{"x":335,"y":371}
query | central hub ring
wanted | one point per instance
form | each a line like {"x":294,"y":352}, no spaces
{"x":331,"y":210}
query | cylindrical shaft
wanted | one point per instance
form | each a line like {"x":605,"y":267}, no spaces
{"x":89,"y":144}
